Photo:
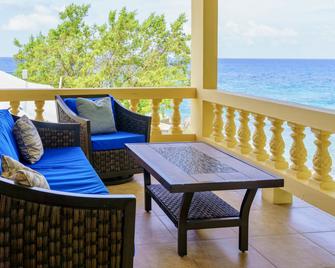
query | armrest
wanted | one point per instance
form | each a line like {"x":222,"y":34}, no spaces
{"x":65,"y":199}
{"x":71,"y":116}
{"x":65,"y":115}
{"x":56,"y":135}
{"x":129,"y":121}
{"x":103,"y":224}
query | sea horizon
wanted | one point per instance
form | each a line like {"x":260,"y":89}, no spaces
{"x":306,"y":81}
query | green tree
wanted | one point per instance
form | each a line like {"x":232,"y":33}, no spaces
{"x":64,"y":52}
{"x":140,"y":54}
{"x":123,"y":52}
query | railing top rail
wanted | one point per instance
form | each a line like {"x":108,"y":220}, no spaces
{"x":314,"y":117}
{"x":122,"y":93}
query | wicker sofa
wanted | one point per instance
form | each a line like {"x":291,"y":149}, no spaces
{"x":53,"y":228}
{"x":114,"y":165}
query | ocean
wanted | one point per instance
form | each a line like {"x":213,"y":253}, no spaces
{"x":309,"y":82}
{"x":7,"y":65}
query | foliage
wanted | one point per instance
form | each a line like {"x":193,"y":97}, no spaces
{"x":123,"y":52}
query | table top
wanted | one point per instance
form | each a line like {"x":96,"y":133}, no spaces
{"x":196,"y":166}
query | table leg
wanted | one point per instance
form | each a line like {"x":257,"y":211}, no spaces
{"x":182,"y":222}
{"x":244,"y":218}
{"x":147,"y":197}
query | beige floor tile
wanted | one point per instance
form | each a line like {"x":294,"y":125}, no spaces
{"x":299,"y":203}
{"x":231,"y":197}
{"x":268,"y":222}
{"x":310,"y":220}
{"x":204,"y":234}
{"x":288,"y":251}
{"x":325,"y":240}
{"x":224,"y":253}
{"x":261,"y":204}
{"x":235,"y":199}
{"x":157,"y":210}
{"x":134,"y":187}
{"x":150,"y":230}
{"x":161,"y":256}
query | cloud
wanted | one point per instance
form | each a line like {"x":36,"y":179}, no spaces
{"x":28,"y":3}
{"x":252,"y":31}
{"x":41,"y":17}
{"x":261,"y":30}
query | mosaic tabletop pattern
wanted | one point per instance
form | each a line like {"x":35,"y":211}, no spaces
{"x":192,"y":161}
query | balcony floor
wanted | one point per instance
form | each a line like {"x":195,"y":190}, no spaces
{"x":280,"y":236}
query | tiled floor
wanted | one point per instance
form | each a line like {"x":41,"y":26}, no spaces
{"x":280,"y":236}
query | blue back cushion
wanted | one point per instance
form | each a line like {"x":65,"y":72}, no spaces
{"x":7,"y":141}
{"x":72,"y":104}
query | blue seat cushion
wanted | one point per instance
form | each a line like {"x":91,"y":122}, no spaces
{"x":113,"y":141}
{"x":72,"y":104}
{"x":68,"y":170}
{"x":8,"y":144}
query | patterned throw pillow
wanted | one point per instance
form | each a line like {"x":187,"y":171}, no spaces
{"x":100,"y":114}
{"x":19,"y":173}
{"x":28,"y":140}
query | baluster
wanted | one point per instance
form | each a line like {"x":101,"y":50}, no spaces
{"x":298,"y":152}
{"x":39,"y":110}
{"x":322,"y":161}
{"x":230,"y":128}
{"x":155,"y":120}
{"x":176,"y":117}
{"x":134,"y":105}
{"x":217,"y":123}
{"x":259,"y":138}
{"x":14,"y":107}
{"x":277,"y":145}
{"x":244,"y":133}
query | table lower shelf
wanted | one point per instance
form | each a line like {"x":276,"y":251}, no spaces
{"x":205,"y":205}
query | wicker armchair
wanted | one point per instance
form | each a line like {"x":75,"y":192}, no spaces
{"x":46,"y":228}
{"x":113,"y":166}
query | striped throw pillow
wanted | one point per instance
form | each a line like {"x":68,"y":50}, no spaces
{"x":28,"y":140}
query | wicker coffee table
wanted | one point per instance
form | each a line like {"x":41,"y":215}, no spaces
{"x":187,"y":173}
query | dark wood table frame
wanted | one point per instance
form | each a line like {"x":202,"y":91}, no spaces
{"x":182,"y":222}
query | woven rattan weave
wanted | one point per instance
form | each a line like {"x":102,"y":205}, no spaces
{"x":205,"y":205}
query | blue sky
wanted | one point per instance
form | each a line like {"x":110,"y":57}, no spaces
{"x":247,"y":28}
